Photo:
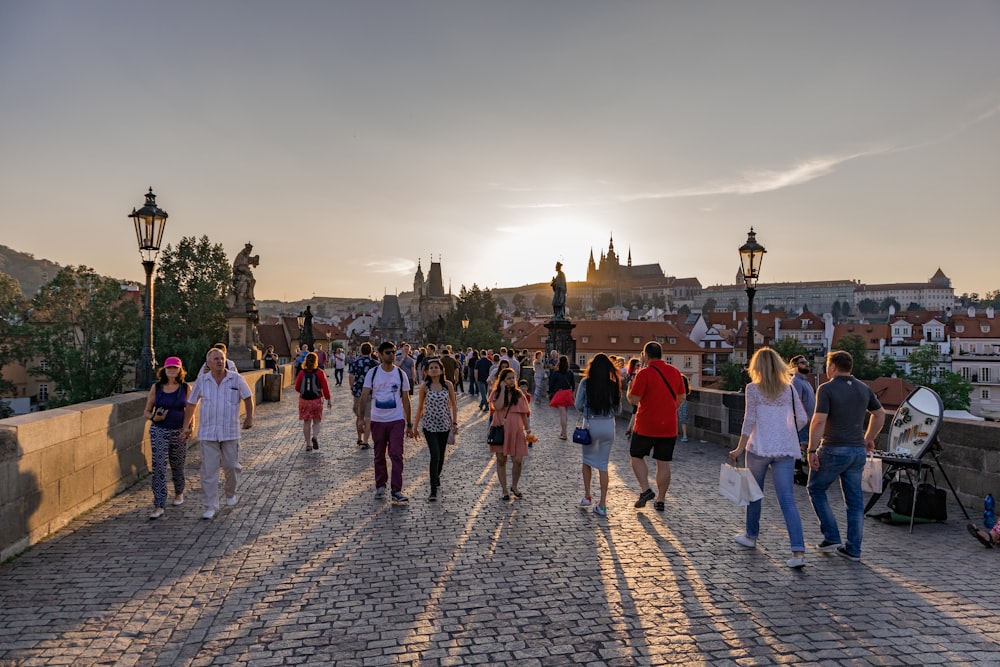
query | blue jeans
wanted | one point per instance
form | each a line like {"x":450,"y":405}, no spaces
{"x":783,"y":468}
{"x":483,"y":400}
{"x":847,"y":463}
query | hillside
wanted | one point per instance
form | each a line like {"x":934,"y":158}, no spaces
{"x":31,"y":273}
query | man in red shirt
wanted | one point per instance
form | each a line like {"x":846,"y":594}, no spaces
{"x":657,"y":390}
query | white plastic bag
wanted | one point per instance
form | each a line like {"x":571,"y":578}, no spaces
{"x":871,"y":478}
{"x":738,"y":486}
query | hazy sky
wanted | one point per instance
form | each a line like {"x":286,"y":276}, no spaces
{"x":861,"y":139}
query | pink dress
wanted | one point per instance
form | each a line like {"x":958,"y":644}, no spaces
{"x":514,"y":443}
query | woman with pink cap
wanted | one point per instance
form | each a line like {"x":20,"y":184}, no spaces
{"x":165,"y":410}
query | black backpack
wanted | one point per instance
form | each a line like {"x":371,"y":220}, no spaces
{"x":310,"y":387}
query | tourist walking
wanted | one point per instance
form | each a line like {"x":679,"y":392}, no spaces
{"x":313,"y":388}
{"x":218,"y":427}
{"x":538,"y":366}
{"x":165,"y":406}
{"x":512,"y":411}
{"x":656,"y":391}
{"x":339,"y":361}
{"x":386,"y":394}
{"x":437,"y":417}
{"x":357,"y":370}
{"x":599,"y":398}
{"x":770,"y":440}
{"x":483,"y":367}
{"x":838,"y":447}
{"x":470,"y":369}
{"x":561,"y":384}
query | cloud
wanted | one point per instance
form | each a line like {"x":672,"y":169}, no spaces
{"x":758,"y":180}
{"x":392,"y":265}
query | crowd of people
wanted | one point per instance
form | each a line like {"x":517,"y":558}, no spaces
{"x":836,"y":425}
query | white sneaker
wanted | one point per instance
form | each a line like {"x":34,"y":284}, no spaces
{"x":745,"y":541}
{"x":179,"y":500}
{"x":600,"y":511}
{"x":209,"y":514}
{"x":232,"y":500}
{"x":157,"y":513}
{"x":585,"y":502}
{"x":796,"y":562}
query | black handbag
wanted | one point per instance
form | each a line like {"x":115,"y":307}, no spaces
{"x":495,"y":435}
{"x":932,"y":502}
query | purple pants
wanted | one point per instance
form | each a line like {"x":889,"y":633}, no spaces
{"x":389,"y":435}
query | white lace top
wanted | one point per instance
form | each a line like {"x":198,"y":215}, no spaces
{"x":770,"y":423}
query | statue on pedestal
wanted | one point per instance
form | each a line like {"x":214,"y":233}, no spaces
{"x":559,"y":294}
{"x":241,"y":297}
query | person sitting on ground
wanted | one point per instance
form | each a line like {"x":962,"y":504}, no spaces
{"x":986,"y":538}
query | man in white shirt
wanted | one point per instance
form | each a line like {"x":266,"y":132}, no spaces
{"x":387,"y":392}
{"x":220,"y":392}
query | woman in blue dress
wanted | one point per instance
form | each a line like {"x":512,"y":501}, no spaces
{"x":599,"y":398}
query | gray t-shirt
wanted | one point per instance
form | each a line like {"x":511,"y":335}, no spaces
{"x":845,"y":400}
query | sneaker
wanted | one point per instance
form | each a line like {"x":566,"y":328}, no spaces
{"x":315,"y":443}
{"x":843,"y":552}
{"x":179,"y":499}
{"x":232,"y":500}
{"x":585,"y":502}
{"x":745,"y":541}
{"x":399,"y":499}
{"x":659,"y":506}
{"x":644,"y":498}
{"x":380,"y":493}
{"x":827,"y":547}
{"x":433,"y":497}
{"x":209,"y":514}
{"x":600,"y":511}
{"x":796,"y":562}
{"x":684,"y":439}
{"x":157,"y":513}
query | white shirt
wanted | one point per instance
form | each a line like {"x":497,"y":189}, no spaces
{"x":387,"y":401}
{"x":219,"y":418}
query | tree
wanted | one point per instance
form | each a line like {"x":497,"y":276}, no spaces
{"x":788,"y":347}
{"x":868,"y":306}
{"x":542,"y":303}
{"x":835,"y":311}
{"x":604,"y":301}
{"x":12,"y":305}
{"x":709,"y":305}
{"x":484,"y":322}
{"x":924,"y":362}
{"x":519,"y":301}
{"x":732,"y":376}
{"x":914,"y":307}
{"x":684,"y":310}
{"x":845,"y":309}
{"x":925,"y":370}
{"x":888,"y":368}
{"x":89,"y":334}
{"x":887,"y":302}
{"x":854,"y":344}
{"x":954,"y":390}
{"x":192,"y":282}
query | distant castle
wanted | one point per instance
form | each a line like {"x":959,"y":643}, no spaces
{"x":429,"y":294}
{"x":609,"y":271}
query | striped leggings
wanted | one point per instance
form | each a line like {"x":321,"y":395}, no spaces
{"x":167,"y":445}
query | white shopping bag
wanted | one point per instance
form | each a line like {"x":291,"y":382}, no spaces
{"x":738,"y":486}
{"x":871,"y":478}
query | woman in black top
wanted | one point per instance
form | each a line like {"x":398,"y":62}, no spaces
{"x":561,"y":386}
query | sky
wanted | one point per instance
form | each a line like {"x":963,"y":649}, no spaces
{"x":348,"y":140}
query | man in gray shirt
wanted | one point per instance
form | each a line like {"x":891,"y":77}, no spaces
{"x":838,"y":446}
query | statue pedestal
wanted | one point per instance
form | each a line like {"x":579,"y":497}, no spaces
{"x":561,"y":339}
{"x":242,"y":341}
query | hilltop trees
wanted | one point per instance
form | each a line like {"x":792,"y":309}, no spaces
{"x":11,"y":311}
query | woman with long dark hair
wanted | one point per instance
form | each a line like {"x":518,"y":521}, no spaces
{"x":561,"y":385}
{"x":511,"y":409}
{"x":438,"y":414}
{"x":165,"y":411}
{"x":599,"y":397}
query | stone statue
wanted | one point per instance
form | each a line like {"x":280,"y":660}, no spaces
{"x":241,"y":297}
{"x":307,"y":328}
{"x":559,"y":294}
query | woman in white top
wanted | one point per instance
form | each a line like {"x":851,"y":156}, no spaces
{"x":770,"y":439}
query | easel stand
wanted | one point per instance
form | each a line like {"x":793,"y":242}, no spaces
{"x":892,"y":466}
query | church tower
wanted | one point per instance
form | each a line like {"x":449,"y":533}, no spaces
{"x":418,"y":281}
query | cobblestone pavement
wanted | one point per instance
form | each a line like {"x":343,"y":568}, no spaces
{"x":309,"y":569}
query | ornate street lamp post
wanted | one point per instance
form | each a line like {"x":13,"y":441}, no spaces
{"x":149,"y":223}
{"x":751,"y":256}
{"x":465,"y":328}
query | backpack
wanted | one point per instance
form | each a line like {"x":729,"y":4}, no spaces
{"x":310,"y":387}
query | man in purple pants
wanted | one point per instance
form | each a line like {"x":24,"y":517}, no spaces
{"x":387,"y":391}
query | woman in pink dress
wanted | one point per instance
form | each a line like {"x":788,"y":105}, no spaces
{"x":510,"y":407}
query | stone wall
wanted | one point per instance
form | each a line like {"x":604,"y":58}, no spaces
{"x":57,"y":464}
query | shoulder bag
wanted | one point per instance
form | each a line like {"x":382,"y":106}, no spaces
{"x":495,"y":436}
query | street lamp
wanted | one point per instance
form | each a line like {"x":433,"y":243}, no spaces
{"x":751,"y":255}
{"x":300,"y":319}
{"x":465,"y":327}
{"x":149,"y":222}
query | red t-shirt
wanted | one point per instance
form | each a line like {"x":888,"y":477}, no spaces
{"x":656,"y":416}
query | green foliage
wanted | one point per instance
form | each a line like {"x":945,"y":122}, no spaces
{"x":708,"y":306}
{"x":542,"y":303}
{"x":86,"y":330}
{"x":519,"y":301}
{"x":845,"y":309}
{"x":926,"y":370}
{"x":889,"y":301}
{"x":189,"y":314}
{"x":835,"y":311}
{"x":914,"y":307}
{"x":12,"y":306}
{"x":864,"y":368}
{"x":480,"y":307}
{"x":788,"y":347}
{"x":868,"y":306}
{"x":955,"y":391}
{"x":732,"y":376}
{"x":924,"y":363}
{"x":684,"y":310}
{"x":605,"y":300}
{"x":887,"y":368}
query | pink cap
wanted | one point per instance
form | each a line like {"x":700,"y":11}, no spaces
{"x":172,"y":361}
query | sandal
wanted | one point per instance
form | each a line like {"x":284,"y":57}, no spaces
{"x":505,"y":497}
{"x":982,"y":540}
{"x":517,"y":493}
{"x":659,"y":506}
{"x":562,"y":437}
